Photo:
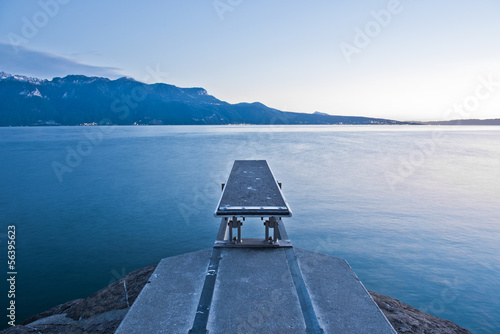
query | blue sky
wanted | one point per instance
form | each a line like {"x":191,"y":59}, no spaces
{"x":405,"y":60}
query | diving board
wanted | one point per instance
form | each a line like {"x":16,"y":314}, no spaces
{"x":252,"y":191}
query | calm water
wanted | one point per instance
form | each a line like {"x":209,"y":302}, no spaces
{"x":413,"y":209}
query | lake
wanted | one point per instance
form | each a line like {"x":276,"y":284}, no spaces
{"x":413,"y":209}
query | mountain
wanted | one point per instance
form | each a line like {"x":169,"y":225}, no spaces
{"x":78,"y":99}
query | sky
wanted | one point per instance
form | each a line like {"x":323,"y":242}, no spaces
{"x":396,"y":59}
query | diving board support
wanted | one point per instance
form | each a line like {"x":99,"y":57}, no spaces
{"x":235,"y":223}
{"x":271,"y":223}
{"x":226,"y":238}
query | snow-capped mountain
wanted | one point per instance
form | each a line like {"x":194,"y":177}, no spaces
{"x":4,"y":75}
{"x":22,"y":78}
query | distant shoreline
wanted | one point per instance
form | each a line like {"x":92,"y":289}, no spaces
{"x":444,"y":123}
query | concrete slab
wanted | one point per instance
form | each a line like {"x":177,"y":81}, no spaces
{"x":254,"y":293}
{"x":168,"y":304}
{"x":340,"y":300}
{"x":257,"y":290}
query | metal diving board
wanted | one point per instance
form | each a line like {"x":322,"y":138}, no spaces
{"x":252,"y":191}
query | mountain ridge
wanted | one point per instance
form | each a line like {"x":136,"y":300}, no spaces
{"x":78,"y":99}
{"x":82,"y":100}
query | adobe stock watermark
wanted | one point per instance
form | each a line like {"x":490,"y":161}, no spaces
{"x":75,"y":154}
{"x":223,"y":6}
{"x":116,"y":278}
{"x":484,"y":90}
{"x":373,"y":28}
{"x":95,"y":134}
{"x":448,"y":295}
{"x":31,"y":25}
{"x":203,"y":195}
{"x":154,"y":75}
{"x":127,"y":102}
{"x":117,"y":275}
{"x":121,"y":106}
{"x":486,"y":87}
{"x":264,"y":311}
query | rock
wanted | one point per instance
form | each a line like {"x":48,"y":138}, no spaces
{"x":100,"y":313}
{"x":59,"y":309}
{"x":118,"y":295}
{"x":407,"y":319}
{"x":103,"y":312}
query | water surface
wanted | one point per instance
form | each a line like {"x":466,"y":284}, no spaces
{"x":414,"y":210}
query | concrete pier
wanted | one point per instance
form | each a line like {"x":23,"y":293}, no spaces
{"x":256,"y":291}
{"x":259,"y":285}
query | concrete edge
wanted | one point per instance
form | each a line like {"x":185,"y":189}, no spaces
{"x":357,"y":278}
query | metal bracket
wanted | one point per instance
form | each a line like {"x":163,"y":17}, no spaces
{"x":234,"y":223}
{"x":271,"y":223}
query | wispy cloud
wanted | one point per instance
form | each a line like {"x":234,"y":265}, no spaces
{"x":46,"y":65}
